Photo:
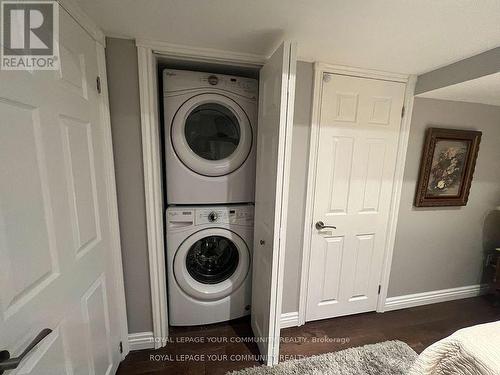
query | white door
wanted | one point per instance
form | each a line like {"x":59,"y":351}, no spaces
{"x":274,"y":133}
{"x":56,"y":248}
{"x":359,"y":128}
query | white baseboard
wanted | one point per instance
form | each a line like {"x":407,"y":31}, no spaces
{"x":141,"y":340}
{"x":144,"y":340}
{"x":290,"y":319}
{"x":426,"y":298}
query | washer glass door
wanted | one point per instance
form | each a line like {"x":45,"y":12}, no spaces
{"x":212,"y":259}
{"x":211,"y":264}
{"x":211,"y":134}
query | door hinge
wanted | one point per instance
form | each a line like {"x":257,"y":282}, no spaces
{"x":98,"y":84}
{"x":379,"y":288}
{"x":121,"y":347}
{"x":403,"y":112}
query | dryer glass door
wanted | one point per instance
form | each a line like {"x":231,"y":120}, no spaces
{"x":211,"y":134}
{"x":212,"y":131}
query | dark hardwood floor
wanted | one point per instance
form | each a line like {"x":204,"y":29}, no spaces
{"x":218,"y":348}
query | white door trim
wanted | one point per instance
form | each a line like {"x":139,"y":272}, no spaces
{"x":153,"y":191}
{"x":359,"y":72}
{"x":319,"y":69}
{"x":147,"y":52}
{"x":96,"y":33}
{"x":202,"y":54}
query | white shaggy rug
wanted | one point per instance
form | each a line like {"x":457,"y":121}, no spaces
{"x":385,"y":358}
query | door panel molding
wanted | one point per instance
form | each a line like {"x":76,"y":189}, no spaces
{"x":22,"y":283}
{"x":410,"y":81}
{"x":95,"y":302}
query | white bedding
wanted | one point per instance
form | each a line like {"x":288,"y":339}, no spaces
{"x":469,"y":351}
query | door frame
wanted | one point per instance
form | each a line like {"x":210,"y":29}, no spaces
{"x":98,"y":36}
{"x":410,"y":81}
{"x":148,"y":53}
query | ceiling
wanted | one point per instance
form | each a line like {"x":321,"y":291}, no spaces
{"x":404,"y":36}
{"x":485,"y":90}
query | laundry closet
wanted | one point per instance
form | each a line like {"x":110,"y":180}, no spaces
{"x":209,"y":146}
{"x":217,"y":162}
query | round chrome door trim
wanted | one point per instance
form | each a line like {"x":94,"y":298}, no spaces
{"x":198,"y":164}
{"x":211,"y":292}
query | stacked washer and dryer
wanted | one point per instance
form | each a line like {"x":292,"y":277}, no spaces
{"x":210,"y":132}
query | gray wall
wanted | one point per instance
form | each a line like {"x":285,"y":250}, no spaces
{"x":439,"y":248}
{"x":123,"y":81}
{"x":298,"y":185}
{"x":464,"y":70}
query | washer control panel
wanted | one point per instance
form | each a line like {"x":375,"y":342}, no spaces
{"x":182,"y":217}
{"x":237,"y":215}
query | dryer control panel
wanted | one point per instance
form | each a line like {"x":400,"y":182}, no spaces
{"x":179,"y":80}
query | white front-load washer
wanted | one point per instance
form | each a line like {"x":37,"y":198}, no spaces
{"x":210,"y":132}
{"x":209,"y":256}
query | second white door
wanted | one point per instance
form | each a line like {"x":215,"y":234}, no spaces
{"x":276,"y":94}
{"x":359,"y":127}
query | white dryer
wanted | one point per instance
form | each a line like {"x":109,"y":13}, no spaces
{"x":209,"y":256}
{"x":210,"y":132}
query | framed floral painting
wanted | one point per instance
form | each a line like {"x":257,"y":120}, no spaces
{"x":446,"y":167}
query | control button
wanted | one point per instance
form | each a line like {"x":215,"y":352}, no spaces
{"x":212,"y":216}
{"x":213,"y":80}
